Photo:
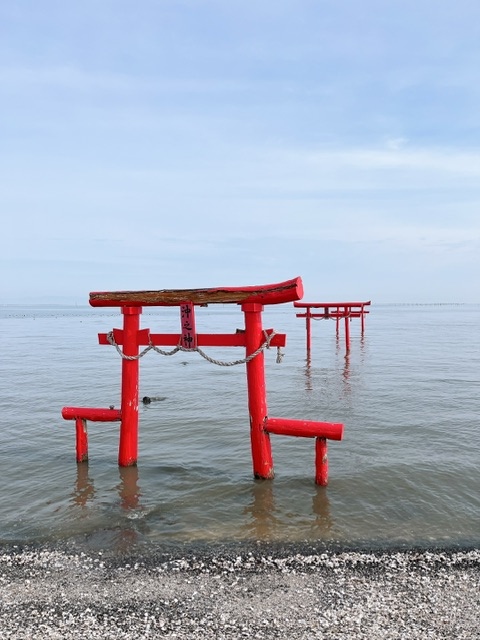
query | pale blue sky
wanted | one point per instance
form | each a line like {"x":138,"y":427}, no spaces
{"x":165,"y":144}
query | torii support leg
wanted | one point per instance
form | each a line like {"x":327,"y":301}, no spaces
{"x":347,"y":331}
{"x":81,"y":439}
{"x":257,"y":401}
{"x":321,"y":462}
{"x":128,"y":446}
{"x":308,"y":316}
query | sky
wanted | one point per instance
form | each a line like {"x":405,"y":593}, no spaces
{"x":166,"y":144}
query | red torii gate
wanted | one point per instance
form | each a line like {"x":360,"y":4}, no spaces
{"x":254,"y":338}
{"x":337,"y":311}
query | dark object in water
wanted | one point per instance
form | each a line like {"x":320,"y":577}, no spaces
{"x":149,"y":399}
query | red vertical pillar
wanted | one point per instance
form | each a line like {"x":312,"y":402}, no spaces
{"x":346,"y":311}
{"x":321,"y":462}
{"x":309,"y":337}
{"x":128,"y":447}
{"x":362,"y":315}
{"x":257,"y":400}
{"x":81,"y":438}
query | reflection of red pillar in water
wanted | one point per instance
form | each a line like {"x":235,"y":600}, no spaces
{"x":257,"y":402}
{"x":128,"y":447}
{"x":129,"y":491}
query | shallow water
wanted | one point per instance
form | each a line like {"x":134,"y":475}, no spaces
{"x":406,"y":472}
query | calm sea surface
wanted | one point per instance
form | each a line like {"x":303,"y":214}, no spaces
{"x":406,"y":472}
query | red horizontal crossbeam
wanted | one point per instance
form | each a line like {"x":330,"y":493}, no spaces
{"x":331,"y":304}
{"x":203,"y":339}
{"x":91,"y":413}
{"x":286,"y":291}
{"x":334,"y":314}
{"x":304,"y":428}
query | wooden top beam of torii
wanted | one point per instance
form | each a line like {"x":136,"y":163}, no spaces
{"x":287,"y":291}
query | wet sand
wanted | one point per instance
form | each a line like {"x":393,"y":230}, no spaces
{"x":240,"y":591}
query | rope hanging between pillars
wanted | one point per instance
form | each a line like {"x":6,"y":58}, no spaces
{"x":265,"y":345}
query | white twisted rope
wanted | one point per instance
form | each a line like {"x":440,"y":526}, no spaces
{"x":221,"y":363}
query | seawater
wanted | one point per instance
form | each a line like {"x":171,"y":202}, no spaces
{"x":406,"y":472}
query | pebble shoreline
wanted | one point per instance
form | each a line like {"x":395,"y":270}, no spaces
{"x":240,"y":592}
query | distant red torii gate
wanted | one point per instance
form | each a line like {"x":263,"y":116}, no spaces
{"x":336,"y":310}
{"x":254,"y":338}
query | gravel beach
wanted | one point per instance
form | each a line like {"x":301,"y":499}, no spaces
{"x":240,"y":592}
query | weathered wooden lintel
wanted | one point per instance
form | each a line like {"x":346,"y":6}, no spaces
{"x":287,"y":291}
